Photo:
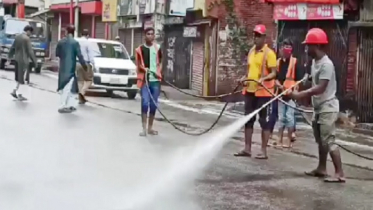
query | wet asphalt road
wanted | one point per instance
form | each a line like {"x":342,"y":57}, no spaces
{"x":95,"y":160}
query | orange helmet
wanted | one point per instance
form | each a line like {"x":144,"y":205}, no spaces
{"x":260,"y":29}
{"x":316,"y":36}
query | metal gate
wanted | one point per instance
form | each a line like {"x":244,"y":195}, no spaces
{"x":100,"y":28}
{"x":85,"y":23}
{"x":176,"y":57}
{"x":138,"y":38}
{"x":364,"y":96}
{"x":54,"y":28}
{"x":198,"y":64}
{"x":337,"y":32}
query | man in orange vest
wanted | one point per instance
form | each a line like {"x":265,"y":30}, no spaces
{"x":325,"y":105}
{"x":148,"y":62}
{"x":289,"y":71}
{"x":261,"y":67}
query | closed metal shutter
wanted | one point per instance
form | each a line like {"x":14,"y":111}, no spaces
{"x":54,"y":28}
{"x":126,"y":38}
{"x":54,"y":38}
{"x":197,"y":67}
{"x":137,"y":38}
{"x":85,"y":23}
{"x":100,"y":28}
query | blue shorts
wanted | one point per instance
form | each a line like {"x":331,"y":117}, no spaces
{"x":147,"y":104}
{"x":286,"y":115}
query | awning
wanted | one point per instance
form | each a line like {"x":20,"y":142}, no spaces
{"x":42,"y":12}
{"x":88,"y":7}
{"x":200,"y":22}
{"x":304,"y":1}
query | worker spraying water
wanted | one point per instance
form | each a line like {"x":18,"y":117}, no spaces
{"x":325,"y":104}
{"x":262,"y":67}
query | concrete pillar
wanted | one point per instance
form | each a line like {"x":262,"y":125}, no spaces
{"x":93,"y":27}
{"x":59,"y":26}
{"x":132,"y":43}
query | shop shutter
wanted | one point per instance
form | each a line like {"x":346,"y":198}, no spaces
{"x":197,"y":69}
{"x":54,"y":28}
{"x":85,"y":23}
{"x":54,"y":40}
{"x":137,"y":38}
{"x":126,"y":38}
{"x":100,"y":28}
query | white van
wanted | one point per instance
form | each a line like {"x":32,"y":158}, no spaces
{"x":113,"y":68}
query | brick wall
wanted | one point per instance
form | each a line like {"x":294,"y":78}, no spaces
{"x":250,"y":13}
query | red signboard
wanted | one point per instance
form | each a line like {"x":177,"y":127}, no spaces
{"x":302,"y":11}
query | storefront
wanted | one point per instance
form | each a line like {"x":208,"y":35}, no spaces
{"x":89,"y":18}
{"x":295,"y":19}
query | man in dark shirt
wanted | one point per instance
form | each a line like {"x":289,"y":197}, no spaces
{"x":289,"y":71}
{"x":148,"y":62}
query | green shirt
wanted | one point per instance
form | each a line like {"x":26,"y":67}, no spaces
{"x":150,"y":60}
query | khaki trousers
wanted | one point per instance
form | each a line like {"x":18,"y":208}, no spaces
{"x":85,"y":78}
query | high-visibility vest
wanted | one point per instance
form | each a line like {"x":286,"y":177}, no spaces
{"x":290,"y":75}
{"x":140,"y":66}
{"x":270,"y":84}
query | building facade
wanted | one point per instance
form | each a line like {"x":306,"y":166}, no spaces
{"x":87,"y":14}
{"x":134,"y":17}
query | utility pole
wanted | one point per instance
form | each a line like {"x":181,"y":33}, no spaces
{"x":76,"y":24}
{"x":71,"y":12}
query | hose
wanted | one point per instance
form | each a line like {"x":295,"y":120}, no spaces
{"x":235,"y":90}
{"x":238,"y":91}
{"x":221,"y":112}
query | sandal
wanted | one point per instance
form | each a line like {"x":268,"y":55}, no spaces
{"x":261,"y":157}
{"x":315,"y":173}
{"x":152,"y":132}
{"x":142,"y":133}
{"x":335,"y":180}
{"x":287,"y":146}
{"x":242,"y":154}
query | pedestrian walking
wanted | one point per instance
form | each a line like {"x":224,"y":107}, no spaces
{"x":325,"y":104}
{"x":117,"y":38}
{"x":289,"y":72}
{"x":148,"y":62}
{"x":85,"y":77}
{"x":261,"y":67}
{"x":22,"y":51}
{"x":67,"y":50}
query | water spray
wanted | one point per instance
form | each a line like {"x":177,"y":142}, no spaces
{"x":275,"y":97}
{"x":198,"y":159}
